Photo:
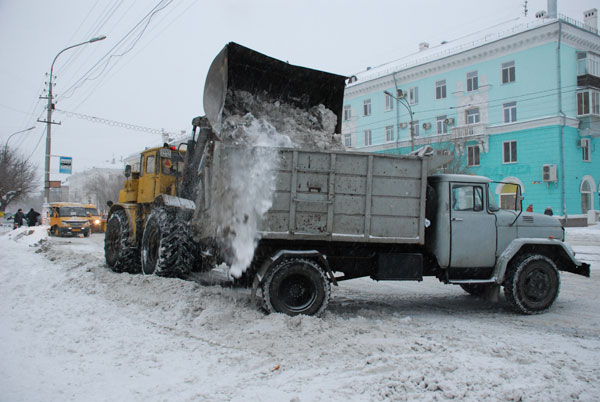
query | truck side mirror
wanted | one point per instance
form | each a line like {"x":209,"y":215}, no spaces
{"x":127,"y":172}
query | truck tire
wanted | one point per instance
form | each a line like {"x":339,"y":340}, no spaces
{"x":532,"y":284}
{"x":167,"y":249}
{"x":296,"y":286}
{"x":119,"y":254}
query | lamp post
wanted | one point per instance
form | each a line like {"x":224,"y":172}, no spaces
{"x":21,"y":131}
{"x":48,"y":121}
{"x":405,"y":103}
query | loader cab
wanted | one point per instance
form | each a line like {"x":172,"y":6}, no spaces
{"x":160,"y":172}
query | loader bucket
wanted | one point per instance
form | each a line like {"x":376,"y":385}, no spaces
{"x":238,"y":68}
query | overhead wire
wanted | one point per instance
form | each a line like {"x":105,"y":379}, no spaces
{"x":108,"y":56}
{"x":115,"y":123}
{"x":109,"y":73}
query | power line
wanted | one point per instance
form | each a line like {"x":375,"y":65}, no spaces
{"x":69,"y":92}
{"x":114,"y":123}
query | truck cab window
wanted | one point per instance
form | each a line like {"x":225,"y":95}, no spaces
{"x":467,"y":198}
{"x":150,"y":164}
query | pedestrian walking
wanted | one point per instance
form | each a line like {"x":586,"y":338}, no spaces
{"x":32,"y":217}
{"x":19,"y":216}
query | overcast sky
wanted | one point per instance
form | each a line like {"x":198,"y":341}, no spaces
{"x":158,"y":80}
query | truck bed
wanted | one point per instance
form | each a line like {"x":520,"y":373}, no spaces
{"x":336,"y":196}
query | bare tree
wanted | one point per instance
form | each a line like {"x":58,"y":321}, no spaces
{"x":105,"y":188}
{"x":458,"y":165}
{"x":17,"y":177}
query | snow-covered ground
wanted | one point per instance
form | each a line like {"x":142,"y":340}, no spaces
{"x":72,"y":330}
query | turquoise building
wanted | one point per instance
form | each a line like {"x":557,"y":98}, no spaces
{"x":519,"y":103}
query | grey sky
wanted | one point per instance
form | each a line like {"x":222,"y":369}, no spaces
{"x":159,"y":82}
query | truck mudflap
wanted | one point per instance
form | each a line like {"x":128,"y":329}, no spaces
{"x":573,"y":265}
{"x":238,"y":68}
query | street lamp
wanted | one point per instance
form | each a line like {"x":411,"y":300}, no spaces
{"x":405,"y":103}
{"x":22,"y":131}
{"x":48,"y":121}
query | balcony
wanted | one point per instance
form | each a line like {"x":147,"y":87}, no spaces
{"x":475,"y":130}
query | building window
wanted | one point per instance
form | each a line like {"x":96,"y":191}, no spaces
{"x":587,"y":194}
{"x":347,"y":112}
{"x":367,"y":107}
{"x":508,"y":72}
{"x":510,"y":112}
{"x":367,"y":138}
{"x":347,"y":140}
{"x":588,"y":102}
{"x":389,"y":133}
{"x":415,"y":128}
{"x":588,"y":63}
{"x":473,"y":116}
{"x":440,"y":89}
{"x":585,"y":149}
{"x":472,"y":81}
{"x":473,"y":155}
{"x":389,"y":103}
{"x":441,"y":125}
{"x":509,"y":151}
{"x":413,"y":95}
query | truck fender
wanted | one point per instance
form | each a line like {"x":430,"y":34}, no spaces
{"x":564,"y":251}
{"x":173,"y":201}
{"x":282,"y":254}
{"x":131,"y":212}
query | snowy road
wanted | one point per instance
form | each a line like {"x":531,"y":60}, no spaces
{"x":72,"y":330}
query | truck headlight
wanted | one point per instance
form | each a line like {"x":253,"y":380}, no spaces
{"x":97,"y":222}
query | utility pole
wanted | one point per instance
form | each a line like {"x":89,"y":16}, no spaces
{"x":49,"y":121}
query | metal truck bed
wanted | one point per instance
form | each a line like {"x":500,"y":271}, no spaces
{"x":337,"y":196}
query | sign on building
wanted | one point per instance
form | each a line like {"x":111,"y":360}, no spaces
{"x":65,"y":165}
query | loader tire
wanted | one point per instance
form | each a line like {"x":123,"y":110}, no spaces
{"x":531,"y":284}
{"x":167,"y":248}
{"x":120,"y":255}
{"x":296,"y":286}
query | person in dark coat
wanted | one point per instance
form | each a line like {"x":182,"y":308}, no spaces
{"x":19,"y":216}
{"x":548,"y":211}
{"x":32,"y":217}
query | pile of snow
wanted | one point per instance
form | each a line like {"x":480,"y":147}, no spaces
{"x":286,"y":124}
{"x":73,"y":330}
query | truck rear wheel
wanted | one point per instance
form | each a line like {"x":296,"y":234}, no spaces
{"x":119,"y":254}
{"x":532,"y":284}
{"x":296,"y":286}
{"x":167,"y":249}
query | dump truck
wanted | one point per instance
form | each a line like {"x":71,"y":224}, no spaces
{"x":321,"y":216}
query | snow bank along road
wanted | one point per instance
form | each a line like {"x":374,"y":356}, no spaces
{"x":72,"y":330}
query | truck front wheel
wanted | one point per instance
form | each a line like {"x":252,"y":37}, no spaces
{"x":531,"y":284}
{"x":296,"y":286}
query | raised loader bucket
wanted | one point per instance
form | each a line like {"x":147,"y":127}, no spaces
{"x":238,"y":68}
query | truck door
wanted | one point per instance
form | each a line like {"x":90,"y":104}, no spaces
{"x":147,"y":178}
{"x":472,"y":228}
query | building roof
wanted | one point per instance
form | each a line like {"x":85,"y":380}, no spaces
{"x":445,"y":49}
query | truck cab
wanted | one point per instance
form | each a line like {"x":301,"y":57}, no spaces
{"x":478,"y":245}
